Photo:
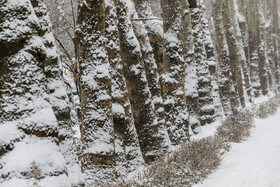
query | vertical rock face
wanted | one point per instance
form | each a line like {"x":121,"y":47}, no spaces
{"x":269,"y":43}
{"x":191,"y":79}
{"x":128,"y":153}
{"x":241,"y":34}
{"x":212,"y":62}
{"x":276,"y":40}
{"x":234,"y":51}
{"x":242,"y":6}
{"x":154,"y":50}
{"x":156,"y":8}
{"x":207,"y":110}
{"x":225,"y":83}
{"x":262,"y":51}
{"x":142,"y":30}
{"x":174,"y":72}
{"x":33,"y":105}
{"x":97,"y":129}
{"x":152,"y":135}
{"x":253,"y":48}
{"x":145,"y":82}
{"x":57,"y":95}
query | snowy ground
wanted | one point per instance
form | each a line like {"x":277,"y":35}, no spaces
{"x":253,"y":163}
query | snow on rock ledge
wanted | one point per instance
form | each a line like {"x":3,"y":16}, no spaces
{"x":33,"y":155}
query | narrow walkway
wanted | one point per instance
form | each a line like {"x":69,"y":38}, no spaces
{"x":253,"y":163}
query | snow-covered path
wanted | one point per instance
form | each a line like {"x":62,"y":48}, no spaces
{"x":253,"y":163}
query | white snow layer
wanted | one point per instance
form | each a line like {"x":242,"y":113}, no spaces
{"x":252,"y":163}
{"x":30,"y":152}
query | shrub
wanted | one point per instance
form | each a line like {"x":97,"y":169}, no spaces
{"x":191,"y":163}
{"x":236,"y":128}
{"x":196,"y":159}
{"x":35,"y":175}
{"x":267,"y":108}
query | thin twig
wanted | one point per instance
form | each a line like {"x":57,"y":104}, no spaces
{"x":146,"y":19}
{"x":62,"y":46}
{"x":68,"y":66}
{"x":73,"y":15}
{"x":74,"y":23}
